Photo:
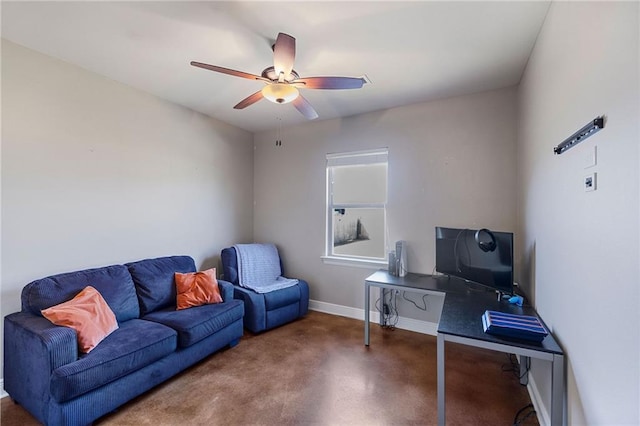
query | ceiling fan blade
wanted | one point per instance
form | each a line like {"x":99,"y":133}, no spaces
{"x":227,"y":71}
{"x":249,"y":100}
{"x":329,"y":82}
{"x":284,"y":53}
{"x":305,"y":107}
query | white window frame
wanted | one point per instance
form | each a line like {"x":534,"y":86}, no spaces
{"x":374,"y":156}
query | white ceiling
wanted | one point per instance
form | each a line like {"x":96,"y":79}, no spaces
{"x":411,"y":51}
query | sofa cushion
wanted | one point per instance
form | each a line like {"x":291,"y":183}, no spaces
{"x":194,"y":324}
{"x":136,"y":344}
{"x":154,"y":280}
{"x":197,"y":289}
{"x":283,"y":297}
{"x":88,"y":314}
{"x":113,"y":282}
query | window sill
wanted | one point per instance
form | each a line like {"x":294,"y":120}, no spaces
{"x":357,"y":263}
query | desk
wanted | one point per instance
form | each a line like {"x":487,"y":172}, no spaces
{"x":460,"y":322}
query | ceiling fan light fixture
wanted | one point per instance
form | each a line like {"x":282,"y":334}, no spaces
{"x":280,"y":93}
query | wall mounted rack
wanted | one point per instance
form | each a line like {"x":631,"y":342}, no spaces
{"x":593,"y":127}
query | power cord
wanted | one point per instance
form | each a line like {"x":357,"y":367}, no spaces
{"x":514,"y":367}
{"x":388,"y":312}
{"x":391,"y":314}
{"x":531,"y":412}
{"x":424,"y":301}
{"x":378,"y":307}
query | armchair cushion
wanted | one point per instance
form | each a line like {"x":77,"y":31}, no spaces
{"x":278,"y":299}
{"x":119,"y":354}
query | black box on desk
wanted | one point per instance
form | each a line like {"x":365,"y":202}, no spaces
{"x":514,"y":326}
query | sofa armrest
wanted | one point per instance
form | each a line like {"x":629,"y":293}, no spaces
{"x":226,"y":290}
{"x":33,"y":348}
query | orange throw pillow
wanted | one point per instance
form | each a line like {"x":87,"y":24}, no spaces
{"x":88,"y":314}
{"x":196,"y":289}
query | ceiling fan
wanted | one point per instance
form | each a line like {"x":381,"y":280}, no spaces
{"x":282,"y":81}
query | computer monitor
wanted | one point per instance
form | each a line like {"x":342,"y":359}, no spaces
{"x":478,"y":255}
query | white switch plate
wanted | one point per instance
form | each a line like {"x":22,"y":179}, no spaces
{"x":591,"y":157}
{"x":590,"y":183}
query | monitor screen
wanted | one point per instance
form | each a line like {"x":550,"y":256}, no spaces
{"x":481,"y":256}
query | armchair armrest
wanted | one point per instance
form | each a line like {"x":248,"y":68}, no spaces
{"x":226,"y":290}
{"x":33,"y":348}
{"x":255,"y":314}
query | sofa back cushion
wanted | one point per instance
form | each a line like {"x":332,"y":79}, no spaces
{"x":154,"y":280}
{"x":113,"y":282}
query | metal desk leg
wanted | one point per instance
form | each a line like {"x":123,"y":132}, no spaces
{"x":557,"y":394}
{"x":525,"y":362}
{"x":366,"y":313}
{"x":441,"y":387}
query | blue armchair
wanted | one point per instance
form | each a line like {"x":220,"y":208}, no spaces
{"x":264,"y":311}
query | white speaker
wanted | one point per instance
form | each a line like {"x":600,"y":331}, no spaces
{"x":393,"y":264}
{"x":401,"y":258}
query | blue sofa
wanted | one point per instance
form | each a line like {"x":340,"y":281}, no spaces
{"x":264,"y":311}
{"x":45,"y":373}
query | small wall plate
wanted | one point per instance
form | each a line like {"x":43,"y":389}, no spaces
{"x":590,"y":182}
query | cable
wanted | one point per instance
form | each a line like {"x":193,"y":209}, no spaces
{"x":512,"y":367}
{"x":532,"y":411}
{"x":379,"y":309}
{"x":515,"y":367}
{"x":466,"y":245}
{"x":391,"y":315}
{"x":424,"y":301}
{"x":455,"y":250}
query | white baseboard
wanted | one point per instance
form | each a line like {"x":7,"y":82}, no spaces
{"x":541,"y":410}
{"x":2,"y":392}
{"x":424,"y":327}
{"x":410,"y":324}
{"x":536,"y":400}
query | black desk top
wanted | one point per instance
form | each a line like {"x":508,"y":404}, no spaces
{"x":463,"y":307}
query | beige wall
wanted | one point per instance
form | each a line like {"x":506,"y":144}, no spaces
{"x":581,"y":255}
{"x":451,"y":163}
{"x":97,"y":173}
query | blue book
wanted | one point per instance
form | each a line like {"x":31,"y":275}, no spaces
{"x":514,"y":326}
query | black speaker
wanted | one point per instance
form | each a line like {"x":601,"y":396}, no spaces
{"x":486,"y":246}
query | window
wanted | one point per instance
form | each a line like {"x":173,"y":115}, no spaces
{"x":356,"y":205}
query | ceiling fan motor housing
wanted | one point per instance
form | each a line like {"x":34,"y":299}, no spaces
{"x":270,"y":73}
